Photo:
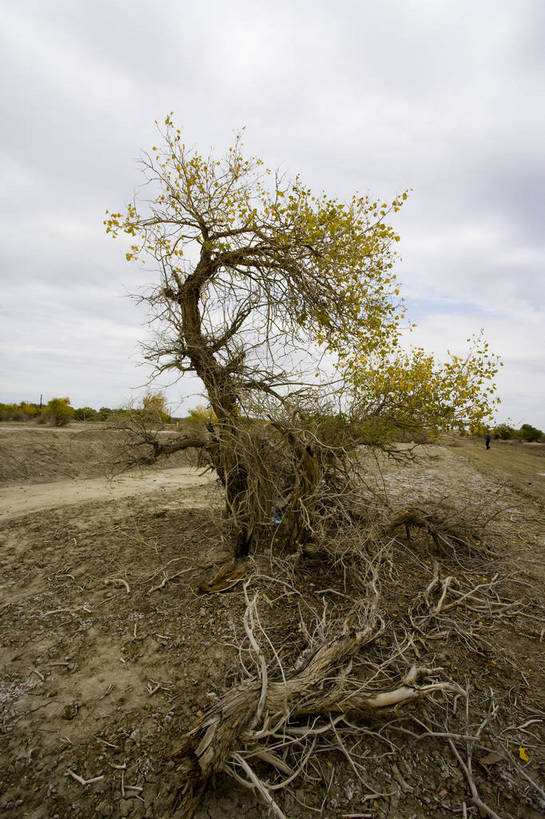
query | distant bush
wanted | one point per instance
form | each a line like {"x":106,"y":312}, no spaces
{"x":505,"y":432}
{"x":58,"y":412}
{"x":29,"y":411}
{"x":202,"y":415}
{"x":529,"y":433}
{"x":8,"y":412}
{"x":155,"y":407}
{"x":85,"y":414}
{"x":104,"y":413}
{"x":19,"y":412}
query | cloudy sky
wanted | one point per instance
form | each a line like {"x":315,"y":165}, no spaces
{"x":446,"y":97}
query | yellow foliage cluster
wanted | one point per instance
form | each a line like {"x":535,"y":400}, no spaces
{"x":416,"y":392}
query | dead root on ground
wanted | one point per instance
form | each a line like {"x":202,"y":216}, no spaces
{"x":256,"y":719}
{"x":355,"y":665}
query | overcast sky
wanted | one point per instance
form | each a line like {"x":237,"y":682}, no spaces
{"x":446,"y":97}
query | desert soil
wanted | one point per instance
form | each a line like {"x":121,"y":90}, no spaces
{"x":109,"y":652}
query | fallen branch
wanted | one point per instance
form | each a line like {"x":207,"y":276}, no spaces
{"x":38,"y":674}
{"x":255,"y":782}
{"x":81,"y":780}
{"x":85,"y":608}
{"x":120,"y":582}
{"x":168,"y":579}
{"x":475,"y":798}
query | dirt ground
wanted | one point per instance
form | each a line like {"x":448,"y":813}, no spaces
{"x":109,"y":653}
{"x":523,"y":465}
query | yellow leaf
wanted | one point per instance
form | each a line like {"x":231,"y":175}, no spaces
{"x":523,"y":755}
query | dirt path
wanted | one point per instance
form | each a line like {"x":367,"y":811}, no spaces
{"x":21,"y":499}
{"x":521,"y":465}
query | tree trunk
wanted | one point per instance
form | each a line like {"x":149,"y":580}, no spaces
{"x":228,"y":459}
{"x":226,"y":452}
{"x":299,"y":513}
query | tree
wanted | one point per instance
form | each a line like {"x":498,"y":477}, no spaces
{"x":259,"y":278}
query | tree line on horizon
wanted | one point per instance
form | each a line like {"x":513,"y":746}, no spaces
{"x":59,"y":412}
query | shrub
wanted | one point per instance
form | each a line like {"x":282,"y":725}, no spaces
{"x":58,"y":412}
{"x":18,"y":412}
{"x":29,"y":411}
{"x":155,"y":407}
{"x":8,"y":412}
{"x":104,"y":413}
{"x":505,"y":432}
{"x":85,"y":414}
{"x":529,"y":433}
{"x":201,"y":415}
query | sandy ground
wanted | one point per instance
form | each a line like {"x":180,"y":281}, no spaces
{"x":108,"y":653}
{"x":21,"y":499}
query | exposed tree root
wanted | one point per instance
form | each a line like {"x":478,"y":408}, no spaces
{"x":226,"y":577}
{"x":443,"y":530}
{"x":238,"y":726}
